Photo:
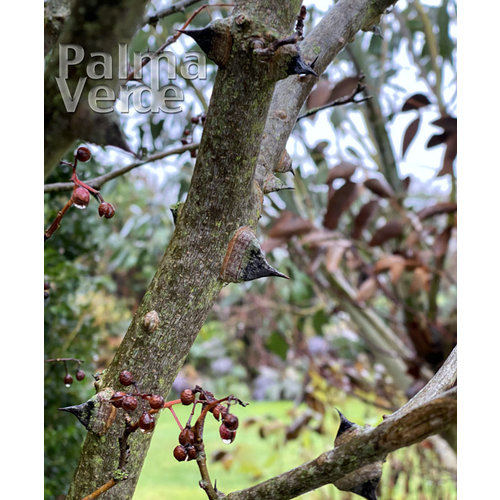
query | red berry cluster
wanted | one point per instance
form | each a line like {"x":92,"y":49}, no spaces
{"x":130,"y":401}
{"x":68,"y":378}
{"x":191,"y":438}
{"x":80,"y":197}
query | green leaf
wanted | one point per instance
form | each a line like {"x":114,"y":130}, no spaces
{"x":277,"y":345}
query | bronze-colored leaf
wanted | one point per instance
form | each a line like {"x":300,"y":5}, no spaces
{"x":344,"y":170}
{"x":421,"y":280}
{"x":319,"y":95}
{"x":366,"y":212}
{"x":445,"y":207}
{"x":289,"y":225}
{"x":392,"y":229}
{"x":436,"y":139}
{"x":410,"y":133}
{"x":366,"y":290}
{"x":447,"y":123}
{"x":344,"y":88}
{"x":334,"y":254}
{"x":293,"y":430}
{"x":379,"y":187}
{"x":416,"y":101}
{"x":339,"y":203}
{"x":449,"y":155}
{"x":395,"y":264}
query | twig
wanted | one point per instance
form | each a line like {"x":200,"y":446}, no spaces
{"x":98,"y":182}
{"x":168,"y":11}
{"x":105,"y":487}
{"x":339,"y":102}
{"x":60,"y":360}
{"x":57,"y":221}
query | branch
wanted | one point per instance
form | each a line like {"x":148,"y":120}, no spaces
{"x":432,"y":410}
{"x":98,"y":182}
{"x":335,"y":30}
{"x":168,"y":11}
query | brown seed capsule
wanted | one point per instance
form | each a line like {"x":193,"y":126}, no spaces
{"x":226,"y":434}
{"x":230,"y":421}
{"x":218,"y":411}
{"x":68,"y":380}
{"x":80,"y":375}
{"x":244,"y":260}
{"x":186,"y":436}
{"x":187,"y":397}
{"x":81,"y":197}
{"x":106,"y":210}
{"x":126,"y":378}
{"x":117,"y":398}
{"x":151,"y":321}
{"x":129,"y":403}
{"x":146,"y":422}
{"x":83,"y":154}
{"x":180,"y":453}
{"x":191,"y":452}
{"x":156,"y":402}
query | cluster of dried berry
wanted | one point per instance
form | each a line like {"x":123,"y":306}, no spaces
{"x":190,"y":436}
{"x":80,"y":197}
{"x":130,"y":401}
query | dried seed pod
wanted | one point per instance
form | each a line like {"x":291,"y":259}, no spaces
{"x":129,"y":403}
{"x":156,"y":401}
{"x":180,"y":453}
{"x":97,"y":414}
{"x":186,"y":436}
{"x":215,"y":40}
{"x":80,"y":197}
{"x":146,"y":422}
{"x":151,"y":321}
{"x":126,"y":378}
{"x":244,"y":260}
{"x":362,"y":481}
{"x":187,"y":397}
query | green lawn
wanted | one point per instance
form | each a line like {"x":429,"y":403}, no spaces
{"x":251,"y":459}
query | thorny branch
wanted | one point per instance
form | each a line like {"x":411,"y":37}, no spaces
{"x":432,"y":410}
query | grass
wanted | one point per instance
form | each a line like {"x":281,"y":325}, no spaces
{"x":251,"y":459}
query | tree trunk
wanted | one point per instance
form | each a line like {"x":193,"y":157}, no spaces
{"x":223,"y":197}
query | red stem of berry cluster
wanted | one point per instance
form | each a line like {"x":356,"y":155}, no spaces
{"x":80,"y":199}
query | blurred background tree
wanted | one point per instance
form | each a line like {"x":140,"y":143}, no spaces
{"x":367,"y":236}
